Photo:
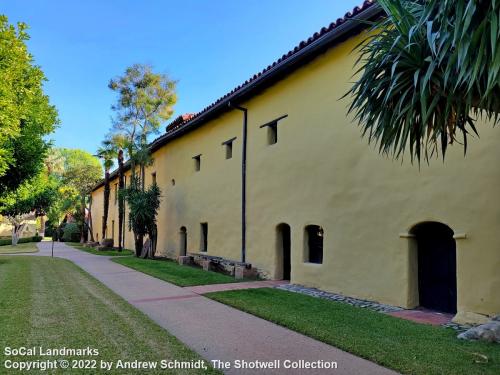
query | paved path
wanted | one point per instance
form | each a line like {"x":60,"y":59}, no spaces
{"x":214,"y":330}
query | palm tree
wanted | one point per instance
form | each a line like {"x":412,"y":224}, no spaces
{"x":107,"y":153}
{"x":429,"y":70}
{"x":119,"y":143}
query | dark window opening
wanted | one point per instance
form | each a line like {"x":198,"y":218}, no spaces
{"x":204,"y":237}
{"x":228,"y":146}
{"x":173,"y":182}
{"x":314,"y":243}
{"x":116,"y":193}
{"x":183,"y":241}
{"x":197,"y":162}
{"x":112,"y":229}
{"x":272,"y":130}
{"x":153,"y":178}
{"x":229,"y":150}
{"x":272,"y":133}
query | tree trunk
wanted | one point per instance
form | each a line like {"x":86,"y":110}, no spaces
{"x":139,"y":243}
{"x":121,"y":203}
{"x":15,"y":234}
{"x":42,"y":226}
{"x":91,"y":229}
{"x":106,"y":204}
{"x":82,"y":236}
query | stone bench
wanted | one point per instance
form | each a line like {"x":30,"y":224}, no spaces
{"x":234,"y":268}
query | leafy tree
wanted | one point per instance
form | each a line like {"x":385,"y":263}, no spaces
{"x":106,"y":152}
{"x":33,"y":198}
{"x":429,"y":70}
{"x":82,"y":171}
{"x":145,"y":100}
{"x":26,"y":115}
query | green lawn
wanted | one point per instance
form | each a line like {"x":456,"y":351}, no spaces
{"x":92,"y":250}
{"x":29,"y":247}
{"x":405,"y":346}
{"x":174,"y":273}
{"x":52,"y":303}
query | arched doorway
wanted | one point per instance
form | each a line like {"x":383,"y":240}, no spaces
{"x":283,"y":249}
{"x":183,"y":241}
{"x":437,"y":267}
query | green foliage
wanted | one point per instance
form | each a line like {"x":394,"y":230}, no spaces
{"x":37,"y":194}
{"x":145,"y":100}
{"x":71,"y":232}
{"x":8,"y":242}
{"x":26,"y":115}
{"x":82,"y":170}
{"x":143,"y":208}
{"x":429,"y":70}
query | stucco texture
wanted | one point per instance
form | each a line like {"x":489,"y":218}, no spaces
{"x":321,"y":171}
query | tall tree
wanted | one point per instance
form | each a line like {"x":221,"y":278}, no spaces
{"x":107,"y":153}
{"x":145,"y":100}
{"x":81,"y":171}
{"x":26,"y":116}
{"x":119,"y":142}
{"x":429,"y":70}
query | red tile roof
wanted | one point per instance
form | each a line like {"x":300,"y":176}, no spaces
{"x":305,"y":51}
{"x":176,"y":124}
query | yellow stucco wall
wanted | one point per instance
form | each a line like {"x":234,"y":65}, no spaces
{"x":322,"y":172}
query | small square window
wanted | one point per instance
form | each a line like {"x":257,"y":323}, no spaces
{"x":197,"y":162}
{"x":272,"y":133}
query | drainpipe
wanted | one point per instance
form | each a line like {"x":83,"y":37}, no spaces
{"x":243,"y":182}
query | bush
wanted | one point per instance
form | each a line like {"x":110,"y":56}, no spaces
{"x":71,"y":233}
{"x":49,"y":229}
{"x":8,"y":241}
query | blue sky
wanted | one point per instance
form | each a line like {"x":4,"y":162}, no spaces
{"x":209,"y":47}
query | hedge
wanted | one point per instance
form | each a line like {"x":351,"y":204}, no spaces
{"x":5,"y":242}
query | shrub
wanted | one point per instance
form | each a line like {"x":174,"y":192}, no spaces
{"x":71,"y":233}
{"x":8,"y":241}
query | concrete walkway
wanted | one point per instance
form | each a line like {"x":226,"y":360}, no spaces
{"x":214,"y":330}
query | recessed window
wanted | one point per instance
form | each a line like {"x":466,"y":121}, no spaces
{"x":153,"y":178}
{"x":116,"y":193}
{"x":272,"y":130}
{"x":229,"y":150}
{"x":204,"y":237}
{"x":272,"y":133}
{"x":173,"y":182}
{"x":314,"y":244}
{"x":197,"y":162}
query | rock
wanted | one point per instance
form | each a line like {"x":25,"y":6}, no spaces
{"x":107,"y":242}
{"x":496,"y":318}
{"x":485,"y":332}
